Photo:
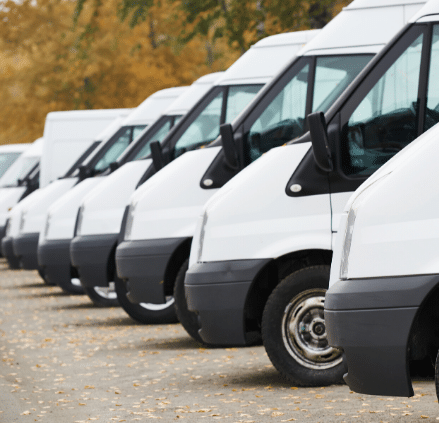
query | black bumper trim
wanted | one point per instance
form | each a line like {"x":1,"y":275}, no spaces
{"x":217,"y":292}
{"x":54,"y":259}
{"x":2,"y":235}
{"x":90,"y":254}
{"x":25,"y":248}
{"x":142,"y":264}
{"x":8,"y":252}
{"x":371,"y":319}
{"x":404,"y":291}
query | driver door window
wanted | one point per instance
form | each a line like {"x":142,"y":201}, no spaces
{"x":386,"y":120}
{"x":432,"y":112}
{"x":282,"y":120}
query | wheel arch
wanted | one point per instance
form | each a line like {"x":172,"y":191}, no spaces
{"x":271,"y":275}
{"x":423,"y":340}
{"x":180,"y":254}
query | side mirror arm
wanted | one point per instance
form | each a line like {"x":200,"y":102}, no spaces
{"x":157,"y":156}
{"x":229,"y":146}
{"x":320,"y":144}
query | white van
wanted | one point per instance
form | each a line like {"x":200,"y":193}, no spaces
{"x":173,"y":214}
{"x":19,"y":180}
{"x":60,"y":131}
{"x":261,"y":253}
{"x":33,"y":217}
{"x":381,"y":308}
{"x":101,"y":213}
{"x":312,"y":81}
{"x":52,"y":250}
{"x":8,"y":154}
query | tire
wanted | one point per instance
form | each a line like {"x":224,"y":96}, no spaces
{"x":147,"y":313}
{"x":188,"y":319}
{"x":303,"y":356}
{"x":436,"y":376}
{"x":102,"y":297}
{"x":41,"y":273}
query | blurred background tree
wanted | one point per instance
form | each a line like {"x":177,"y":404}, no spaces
{"x":91,"y":54}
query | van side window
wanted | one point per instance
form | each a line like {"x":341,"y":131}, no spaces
{"x":386,"y":120}
{"x":204,"y":128}
{"x":283,"y":119}
{"x":432,"y":111}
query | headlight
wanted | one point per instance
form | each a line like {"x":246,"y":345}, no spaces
{"x":22,"y":220}
{"x":79,"y":220}
{"x":47,"y":226}
{"x":8,"y":227}
{"x":130,"y":219}
{"x":347,"y":243}
{"x":349,"y":231}
{"x":201,"y":237}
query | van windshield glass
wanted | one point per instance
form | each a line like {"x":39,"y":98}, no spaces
{"x":117,"y":147}
{"x":205,"y":128}
{"x":6,"y":160}
{"x":158,"y":135}
{"x":284,"y":118}
{"x":19,"y":170}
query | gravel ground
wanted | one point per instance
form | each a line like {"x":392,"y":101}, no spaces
{"x":64,"y":360}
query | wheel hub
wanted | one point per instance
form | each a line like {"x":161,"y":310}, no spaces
{"x":109,"y":293}
{"x":304,"y":331}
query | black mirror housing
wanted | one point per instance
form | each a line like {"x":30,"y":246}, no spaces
{"x":83,"y":172}
{"x":157,"y":156}
{"x":229,"y":147}
{"x":114,"y":166}
{"x":319,"y":138}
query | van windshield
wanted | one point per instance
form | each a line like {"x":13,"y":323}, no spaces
{"x":223,"y":107}
{"x":115,"y":146}
{"x":6,"y":160}
{"x":18,"y":171}
{"x":158,"y":134}
{"x":284,"y":118}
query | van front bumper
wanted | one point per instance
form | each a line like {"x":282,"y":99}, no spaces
{"x":25,"y":249}
{"x":54,"y":260}
{"x":8,"y":252}
{"x":2,"y":235}
{"x":370,"y":320}
{"x":90,"y":255}
{"x":142,"y":265}
{"x":217,"y":292}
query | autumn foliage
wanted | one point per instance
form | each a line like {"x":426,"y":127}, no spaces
{"x":91,"y":54}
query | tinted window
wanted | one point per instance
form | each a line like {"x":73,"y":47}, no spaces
{"x":19,"y":170}
{"x":6,"y":159}
{"x":158,"y":135}
{"x":284,"y":118}
{"x":432,"y":112}
{"x":118,"y":146}
{"x":205,"y":128}
{"x":386,"y":119}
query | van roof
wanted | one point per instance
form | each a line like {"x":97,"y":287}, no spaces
{"x":14,"y":148}
{"x":198,"y":89}
{"x":154,"y":106}
{"x":431,"y":8}
{"x":86,"y":114}
{"x":266,"y":58}
{"x":366,"y":25}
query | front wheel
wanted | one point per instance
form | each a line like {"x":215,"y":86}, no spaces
{"x":145,"y":313}
{"x":103,"y":296}
{"x":294,"y":331}
{"x":188,"y":319}
{"x":436,"y":376}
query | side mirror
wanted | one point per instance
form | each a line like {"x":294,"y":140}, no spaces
{"x":83,"y":172}
{"x":229,"y":147}
{"x":157,"y":156}
{"x":114,"y":166}
{"x":319,"y":139}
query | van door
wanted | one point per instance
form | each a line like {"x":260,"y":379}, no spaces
{"x":397,"y":101}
